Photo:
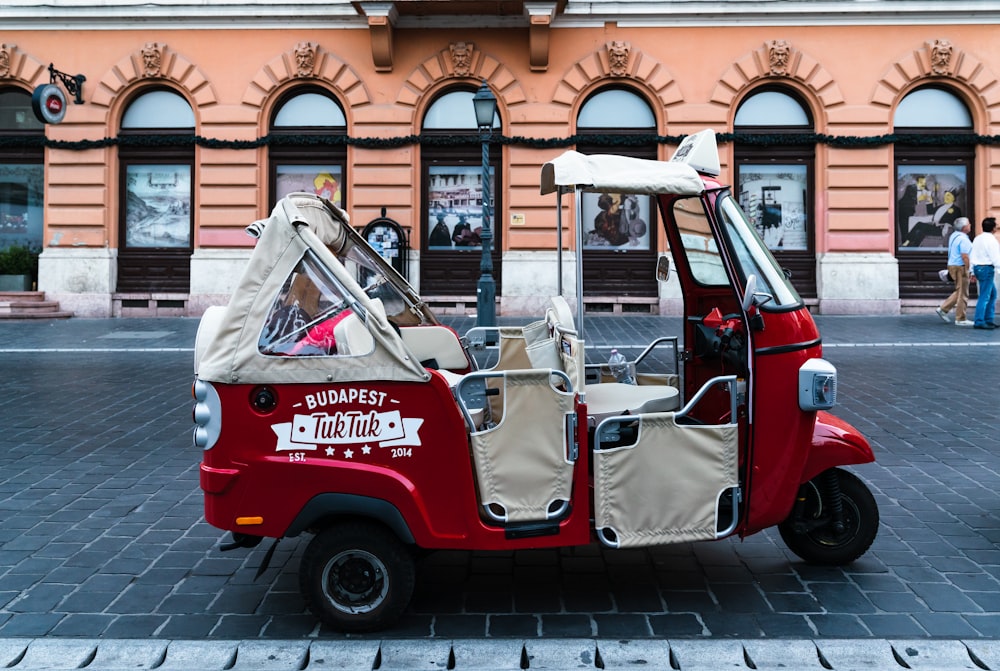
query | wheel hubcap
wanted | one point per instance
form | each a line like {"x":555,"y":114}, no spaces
{"x":355,"y":581}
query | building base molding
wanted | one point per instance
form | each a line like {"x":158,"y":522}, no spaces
{"x":857,"y":283}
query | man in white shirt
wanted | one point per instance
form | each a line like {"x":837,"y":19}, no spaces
{"x":985,"y":259}
{"x":959,"y":247}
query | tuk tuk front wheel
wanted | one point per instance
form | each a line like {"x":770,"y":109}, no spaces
{"x":819,"y":533}
{"x":357,"y":576}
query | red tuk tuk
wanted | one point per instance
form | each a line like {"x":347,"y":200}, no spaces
{"x":329,"y":399}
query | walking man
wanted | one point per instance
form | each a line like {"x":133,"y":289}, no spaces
{"x":985,"y":258}
{"x":959,"y":247}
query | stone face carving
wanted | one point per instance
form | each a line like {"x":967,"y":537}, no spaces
{"x":779,"y":54}
{"x":5,"y":59}
{"x":305,"y":58}
{"x":461,"y":58}
{"x":152,"y":59}
{"x":941,"y":51}
{"x":618,"y":54}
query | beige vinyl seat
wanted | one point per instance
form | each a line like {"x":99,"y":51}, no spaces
{"x":607,"y":399}
{"x":352,"y":336}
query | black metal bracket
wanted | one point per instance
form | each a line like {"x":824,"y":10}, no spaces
{"x":73,"y":83}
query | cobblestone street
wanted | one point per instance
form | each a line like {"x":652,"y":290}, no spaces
{"x":102,"y":536}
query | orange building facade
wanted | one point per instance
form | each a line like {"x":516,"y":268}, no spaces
{"x":192,"y":126}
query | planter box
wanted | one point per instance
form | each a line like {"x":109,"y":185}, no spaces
{"x":15,"y":282}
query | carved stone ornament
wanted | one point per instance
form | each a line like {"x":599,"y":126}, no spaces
{"x":779,"y":55}
{"x":618,"y":54}
{"x":305,"y":59}
{"x":461,"y":58}
{"x":152,"y":59}
{"x":6,"y":56}
{"x":941,"y":51}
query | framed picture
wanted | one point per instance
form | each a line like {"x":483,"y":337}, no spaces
{"x":928,"y":200}
{"x":323,"y":180}
{"x":455,"y":207}
{"x":615,"y":221}
{"x":158,"y":206}
{"x":774,"y":199}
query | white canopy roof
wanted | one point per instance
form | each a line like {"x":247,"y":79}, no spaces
{"x":619,"y":174}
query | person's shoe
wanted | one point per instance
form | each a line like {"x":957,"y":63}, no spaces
{"x":943,"y":315}
{"x":964,"y":322}
{"x":984,"y":327}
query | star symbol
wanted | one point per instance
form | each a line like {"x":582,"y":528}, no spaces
{"x":329,"y":451}
{"x":348,"y":453}
{"x":366,"y":450}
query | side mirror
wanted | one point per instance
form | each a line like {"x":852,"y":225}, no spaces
{"x":748,"y":292}
{"x":663,"y":268}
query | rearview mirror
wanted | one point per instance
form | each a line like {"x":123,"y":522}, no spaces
{"x":663,"y":268}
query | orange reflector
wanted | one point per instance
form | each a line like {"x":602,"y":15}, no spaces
{"x":248,"y":521}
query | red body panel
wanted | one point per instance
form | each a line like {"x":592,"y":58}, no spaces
{"x":259,"y":469}
{"x":782,"y":432}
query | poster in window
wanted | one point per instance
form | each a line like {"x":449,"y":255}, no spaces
{"x":615,"y":221}
{"x":21,"y":205}
{"x":928,"y":200}
{"x":158,"y":206}
{"x":455,"y":207}
{"x":323,"y":180}
{"x":774,"y":199}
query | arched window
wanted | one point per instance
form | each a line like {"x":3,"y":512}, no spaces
{"x":774,"y":184}
{"x":452,"y":211}
{"x":933,"y":187}
{"x":22,"y":173}
{"x":619,"y":244}
{"x":156,"y":225}
{"x":318,"y":169}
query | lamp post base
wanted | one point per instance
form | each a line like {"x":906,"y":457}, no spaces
{"x":486,"y":305}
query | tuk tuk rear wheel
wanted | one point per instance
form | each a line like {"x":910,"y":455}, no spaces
{"x":812,"y":535}
{"x":357,"y":576}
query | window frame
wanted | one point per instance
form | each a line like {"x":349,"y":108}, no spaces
{"x":322,"y":156}
{"x":800,"y":261}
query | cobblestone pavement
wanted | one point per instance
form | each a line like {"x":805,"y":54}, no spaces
{"x":102,"y":536}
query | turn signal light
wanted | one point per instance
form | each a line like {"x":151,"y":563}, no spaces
{"x":249,"y":521}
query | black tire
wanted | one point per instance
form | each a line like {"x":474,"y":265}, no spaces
{"x":821,"y":544}
{"x":357,"y":576}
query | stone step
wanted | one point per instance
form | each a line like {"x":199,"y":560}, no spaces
{"x":29,"y":305}
{"x":21,"y":296}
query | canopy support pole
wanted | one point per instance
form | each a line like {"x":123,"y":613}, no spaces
{"x":578,"y":203}
{"x":559,"y":267}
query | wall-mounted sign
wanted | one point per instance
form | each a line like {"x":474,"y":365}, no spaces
{"x":48,"y":103}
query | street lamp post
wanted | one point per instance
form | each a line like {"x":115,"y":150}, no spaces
{"x":485,"y":104}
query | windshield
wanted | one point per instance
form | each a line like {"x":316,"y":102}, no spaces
{"x":753,"y":258}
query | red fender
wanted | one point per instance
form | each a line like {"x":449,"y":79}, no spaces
{"x":835,"y":443}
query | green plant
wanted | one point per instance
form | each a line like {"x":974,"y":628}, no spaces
{"x":19,"y":260}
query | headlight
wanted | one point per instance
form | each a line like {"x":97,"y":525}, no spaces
{"x":817,"y":385}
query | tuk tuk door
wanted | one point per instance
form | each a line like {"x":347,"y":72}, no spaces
{"x":675,"y":476}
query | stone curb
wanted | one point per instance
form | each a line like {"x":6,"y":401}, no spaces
{"x":499,"y":654}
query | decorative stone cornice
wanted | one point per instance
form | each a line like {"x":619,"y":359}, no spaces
{"x":941,"y":53}
{"x":152,"y":59}
{"x":381,"y":19}
{"x":461,"y":58}
{"x":540,"y":15}
{"x":6,"y":56}
{"x":779,"y":56}
{"x":305,"y":59}
{"x":618,"y":55}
